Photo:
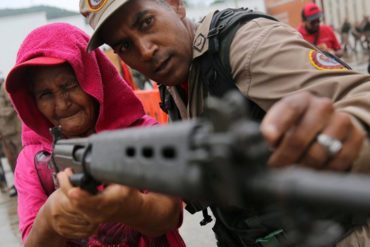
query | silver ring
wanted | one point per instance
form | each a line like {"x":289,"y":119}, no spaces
{"x":331,"y":145}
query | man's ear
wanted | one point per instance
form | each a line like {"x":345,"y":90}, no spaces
{"x":178,"y":6}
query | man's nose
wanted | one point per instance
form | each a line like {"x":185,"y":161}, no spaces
{"x":146,"y":48}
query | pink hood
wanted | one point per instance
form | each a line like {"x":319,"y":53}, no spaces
{"x":119,"y":107}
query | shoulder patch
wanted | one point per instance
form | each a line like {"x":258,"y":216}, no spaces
{"x":95,"y":5}
{"x":199,"y":42}
{"x":322,"y":62}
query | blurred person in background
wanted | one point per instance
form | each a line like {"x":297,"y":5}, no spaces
{"x":344,"y":33}
{"x":357,"y":35}
{"x":10,"y":134}
{"x":365,"y":24}
{"x":316,"y":33}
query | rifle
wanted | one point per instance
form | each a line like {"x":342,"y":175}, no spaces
{"x":219,"y":158}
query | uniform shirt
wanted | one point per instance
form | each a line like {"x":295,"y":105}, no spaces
{"x":326,"y":36}
{"x":270,"y":60}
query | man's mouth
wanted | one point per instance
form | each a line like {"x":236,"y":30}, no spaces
{"x":162,"y":66}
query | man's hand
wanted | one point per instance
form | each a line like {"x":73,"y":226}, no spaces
{"x":292,"y":125}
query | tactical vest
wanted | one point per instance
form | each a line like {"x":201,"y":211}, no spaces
{"x":251,"y":226}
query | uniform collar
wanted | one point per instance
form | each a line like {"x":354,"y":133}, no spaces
{"x":200,"y":42}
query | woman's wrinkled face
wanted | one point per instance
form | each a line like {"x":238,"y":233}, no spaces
{"x":61,"y":100}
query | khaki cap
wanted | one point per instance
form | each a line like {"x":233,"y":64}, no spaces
{"x":97,"y":12}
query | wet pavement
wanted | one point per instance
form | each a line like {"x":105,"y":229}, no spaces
{"x":357,"y":60}
{"x":9,"y":233}
{"x":193,"y":234}
{"x":10,"y":236}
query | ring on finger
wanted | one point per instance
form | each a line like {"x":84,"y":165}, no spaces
{"x":331,"y":145}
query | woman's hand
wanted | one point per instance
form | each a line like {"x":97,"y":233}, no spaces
{"x":112,"y":203}
{"x":66,"y":220}
{"x":149,"y":213}
{"x":57,"y":221}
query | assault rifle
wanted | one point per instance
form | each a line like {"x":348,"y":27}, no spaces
{"x":219,"y":158}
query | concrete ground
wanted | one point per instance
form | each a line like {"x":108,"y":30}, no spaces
{"x":193,"y":234}
{"x":10,"y":236}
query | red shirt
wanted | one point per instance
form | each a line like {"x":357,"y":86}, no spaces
{"x":326,"y":36}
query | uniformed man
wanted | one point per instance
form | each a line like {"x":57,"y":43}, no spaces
{"x":316,"y":109}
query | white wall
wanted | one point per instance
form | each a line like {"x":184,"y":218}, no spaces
{"x":80,"y":22}
{"x":337,"y":10}
{"x":13,"y":30}
{"x":197,"y":11}
{"x":76,"y":20}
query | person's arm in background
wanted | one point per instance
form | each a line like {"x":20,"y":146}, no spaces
{"x":338,"y":50}
{"x":339,"y":53}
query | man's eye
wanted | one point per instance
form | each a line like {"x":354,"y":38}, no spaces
{"x":124,"y":46}
{"x":147,"y":21}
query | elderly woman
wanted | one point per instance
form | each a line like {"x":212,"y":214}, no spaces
{"x":55,"y":82}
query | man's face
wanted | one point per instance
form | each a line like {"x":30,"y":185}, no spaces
{"x":153,"y":38}
{"x":312,"y":26}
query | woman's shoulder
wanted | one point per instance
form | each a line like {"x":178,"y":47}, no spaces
{"x":26,"y":158}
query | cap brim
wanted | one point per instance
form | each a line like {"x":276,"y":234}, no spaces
{"x":95,"y":40}
{"x":314,"y":17}
{"x":15,"y":76}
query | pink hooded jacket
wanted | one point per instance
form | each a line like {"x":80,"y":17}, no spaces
{"x":118,"y":108}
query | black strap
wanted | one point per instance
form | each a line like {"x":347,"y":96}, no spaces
{"x":215,"y":65}
{"x":317,"y":34}
{"x":167,"y":104}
